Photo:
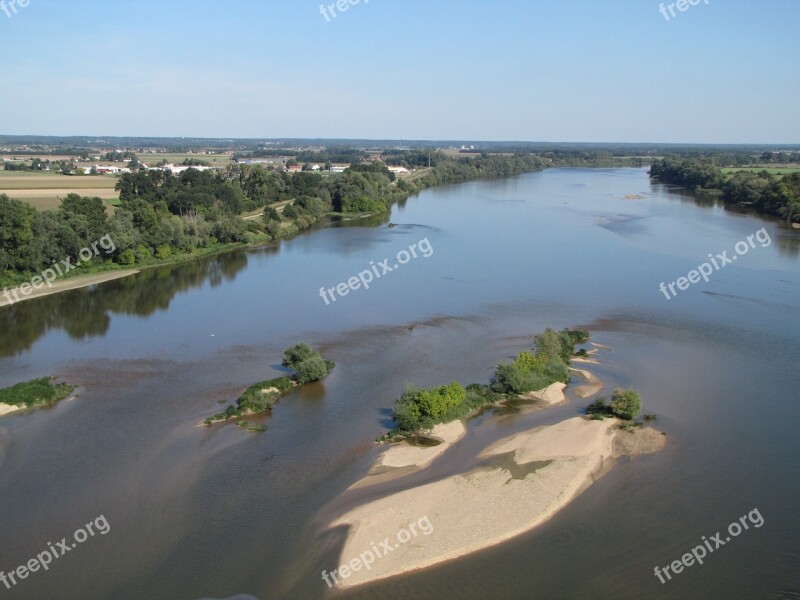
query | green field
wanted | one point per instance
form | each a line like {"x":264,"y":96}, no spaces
{"x":214,"y":160}
{"x":770,"y":170}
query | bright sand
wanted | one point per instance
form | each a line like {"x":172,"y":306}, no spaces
{"x":561,"y":461}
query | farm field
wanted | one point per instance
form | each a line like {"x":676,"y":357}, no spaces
{"x":44,"y":191}
{"x":773,"y":170}
{"x":214,"y":160}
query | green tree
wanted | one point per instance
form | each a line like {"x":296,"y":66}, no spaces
{"x":296,"y":354}
{"x":625,"y":404}
{"x":311,"y":369}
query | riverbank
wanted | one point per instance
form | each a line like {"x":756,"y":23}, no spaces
{"x":73,"y":283}
{"x":527,"y":478}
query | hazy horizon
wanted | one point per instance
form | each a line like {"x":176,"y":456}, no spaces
{"x":716,"y":73}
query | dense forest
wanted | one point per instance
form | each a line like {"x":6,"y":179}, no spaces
{"x":762,"y":192}
{"x":164,"y":217}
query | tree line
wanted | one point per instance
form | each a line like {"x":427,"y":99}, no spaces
{"x":164,"y":216}
{"x":762,"y":192}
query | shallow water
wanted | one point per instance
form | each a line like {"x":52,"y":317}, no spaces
{"x":198,"y":512}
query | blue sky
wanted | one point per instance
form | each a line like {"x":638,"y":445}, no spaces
{"x":555,"y":70}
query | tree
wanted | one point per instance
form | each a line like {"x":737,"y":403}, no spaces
{"x":91,"y":208}
{"x":625,"y":404}
{"x":16,"y":233}
{"x":270,"y":214}
{"x":296,"y":354}
{"x":311,"y":369}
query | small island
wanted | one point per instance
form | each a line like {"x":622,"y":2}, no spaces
{"x":540,"y":373}
{"x":260,"y":398}
{"x":32,"y":394}
{"x":526,"y":477}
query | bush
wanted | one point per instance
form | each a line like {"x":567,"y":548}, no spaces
{"x":35,"y":392}
{"x":290,"y":212}
{"x":312,"y":369}
{"x":143,"y":254}
{"x":270,"y":214}
{"x":296,"y":354}
{"x":127,"y":258}
{"x":306,"y":362}
{"x":625,"y":404}
{"x":420,"y":408}
{"x":163,"y":252}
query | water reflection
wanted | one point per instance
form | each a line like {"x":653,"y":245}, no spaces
{"x":87,"y":312}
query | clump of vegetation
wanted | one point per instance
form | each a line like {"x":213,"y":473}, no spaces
{"x":625,"y":404}
{"x":307,"y":363}
{"x":38,"y":392}
{"x":548,"y":362}
{"x":545,"y":364}
{"x":261,"y":397}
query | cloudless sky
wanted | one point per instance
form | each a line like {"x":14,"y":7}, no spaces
{"x":537,"y":70}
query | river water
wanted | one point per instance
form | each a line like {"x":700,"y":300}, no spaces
{"x":196,"y":512}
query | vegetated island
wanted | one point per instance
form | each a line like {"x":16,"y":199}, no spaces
{"x":525,"y":478}
{"x":32,"y":394}
{"x":539,"y":373}
{"x":260,"y":398}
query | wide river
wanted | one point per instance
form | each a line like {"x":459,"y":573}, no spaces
{"x":201,"y":513}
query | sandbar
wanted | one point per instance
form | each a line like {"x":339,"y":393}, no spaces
{"x":540,"y":472}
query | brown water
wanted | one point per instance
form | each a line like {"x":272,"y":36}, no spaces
{"x":216,"y":512}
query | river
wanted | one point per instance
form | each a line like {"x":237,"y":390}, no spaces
{"x":213,"y":512}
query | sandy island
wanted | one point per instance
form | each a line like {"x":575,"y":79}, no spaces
{"x":528,"y":478}
{"x":73,"y":283}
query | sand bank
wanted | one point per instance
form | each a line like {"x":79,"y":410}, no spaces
{"x":407,"y":455}
{"x":552,"y":394}
{"x":73,"y":283}
{"x":540,"y":471}
{"x":8,"y":409}
{"x":591,"y":387}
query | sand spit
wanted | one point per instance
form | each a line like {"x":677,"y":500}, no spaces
{"x":407,"y":455}
{"x":590,"y":388}
{"x":639,"y":440}
{"x":553,"y":394}
{"x":73,"y":283}
{"x":8,"y":409}
{"x":528,"y":478}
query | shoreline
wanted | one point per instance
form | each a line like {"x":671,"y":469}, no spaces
{"x":9,"y":409}
{"x":72,"y":283}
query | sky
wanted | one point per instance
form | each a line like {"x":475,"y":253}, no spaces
{"x":722,"y":71}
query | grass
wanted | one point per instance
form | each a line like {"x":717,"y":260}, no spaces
{"x":258,"y":398}
{"x":38,"y":392}
{"x":213,"y":160}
